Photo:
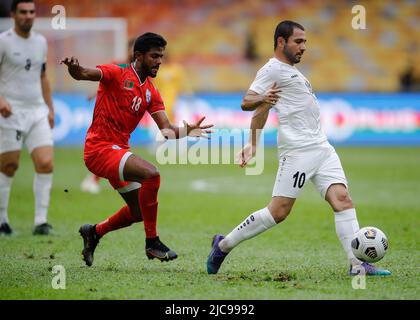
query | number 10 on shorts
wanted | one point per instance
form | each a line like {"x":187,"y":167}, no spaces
{"x":299,"y":179}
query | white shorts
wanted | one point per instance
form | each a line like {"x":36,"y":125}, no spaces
{"x":29,"y":128}
{"x":320,"y":164}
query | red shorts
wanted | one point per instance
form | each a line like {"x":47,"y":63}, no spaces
{"x":107,"y":160}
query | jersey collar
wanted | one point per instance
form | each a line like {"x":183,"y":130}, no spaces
{"x":135,"y":72}
{"x":20,"y":37}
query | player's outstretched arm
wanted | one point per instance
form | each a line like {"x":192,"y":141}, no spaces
{"x":258,"y":122}
{"x":81,"y":73}
{"x":253,"y":100}
{"x":169,"y":131}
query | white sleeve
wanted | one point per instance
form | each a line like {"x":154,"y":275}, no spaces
{"x":265,"y":78}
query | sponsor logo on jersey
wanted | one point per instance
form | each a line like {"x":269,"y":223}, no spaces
{"x":294,"y":76}
{"x":115,"y":147}
{"x":148,"y":96}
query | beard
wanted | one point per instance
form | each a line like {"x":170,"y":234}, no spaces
{"x":26,"y":26}
{"x":293,"y":58}
{"x":146,"y":70}
{"x":152,"y":71}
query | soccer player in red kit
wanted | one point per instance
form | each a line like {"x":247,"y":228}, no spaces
{"x":125,"y":93}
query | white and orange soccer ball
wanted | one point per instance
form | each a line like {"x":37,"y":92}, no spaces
{"x":369,"y":244}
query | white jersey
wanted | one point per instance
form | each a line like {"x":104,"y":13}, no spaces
{"x":297,"y":109}
{"x":21,"y":61}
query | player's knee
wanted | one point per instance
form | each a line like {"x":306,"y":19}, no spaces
{"x":343,"y":201}
{"x":10,"y":168}
{"x":44,"y":166}
{"x":152,"y":173}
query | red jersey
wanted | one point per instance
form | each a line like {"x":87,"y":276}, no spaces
{"x":121,"y":102}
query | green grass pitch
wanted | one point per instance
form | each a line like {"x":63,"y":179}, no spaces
{"x":299,"y":259}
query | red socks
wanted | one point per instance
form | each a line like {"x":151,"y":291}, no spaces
{"x":148,"y":207}
{"x":149,"y":204}
{"x":123,"y":218}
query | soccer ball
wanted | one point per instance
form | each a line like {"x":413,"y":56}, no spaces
{"x":369,"y":244}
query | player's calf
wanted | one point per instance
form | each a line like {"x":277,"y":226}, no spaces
{"x":280,"y":208}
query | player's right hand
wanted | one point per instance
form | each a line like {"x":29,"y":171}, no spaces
{"x":246,"y":154}
{"x":271,"y":96}
{"x":73,"y":66}
{"x":70,"y":62}
{"x":5,"y":108}
{"x":76,"y":70}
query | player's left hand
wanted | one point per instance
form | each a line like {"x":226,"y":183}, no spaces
{"x":73,"y":66}
{"x":72,"y":62}
{"x":197,"y":130}
{"x":51,"y":119}
{"x":246,"y":154}
{"x":5,"y":108}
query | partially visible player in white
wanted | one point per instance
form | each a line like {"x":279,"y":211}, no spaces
{"x":303,"y":151}
{"x":26,"y":112}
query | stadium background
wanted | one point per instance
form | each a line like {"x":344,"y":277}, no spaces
{"x":356,"y":74}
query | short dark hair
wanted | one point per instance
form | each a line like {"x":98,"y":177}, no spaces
{"x":16,"y":2}
{"x":285,"y":29}
{"x":148,"y":41}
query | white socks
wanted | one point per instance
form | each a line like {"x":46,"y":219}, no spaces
{"x":346,"y":225}
{"x":257,"y":222}
{"x":5,"y":183}
{"x":42,"y":188}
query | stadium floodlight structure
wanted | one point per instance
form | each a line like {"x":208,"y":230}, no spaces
{"x":92,"y":40}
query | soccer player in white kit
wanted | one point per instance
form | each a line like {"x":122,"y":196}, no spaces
{"x":303,"y":151}
{"x":26,"y":112}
